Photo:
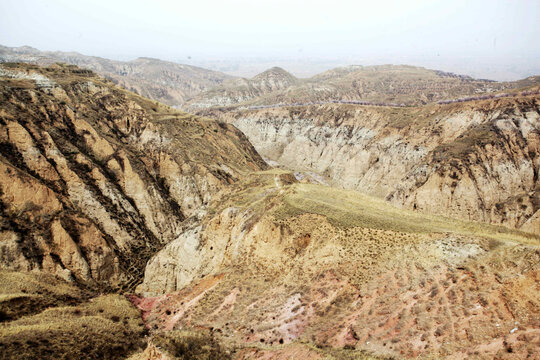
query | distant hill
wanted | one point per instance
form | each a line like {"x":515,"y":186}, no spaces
{"x":399,"y":84}
{"x":246,"y":90}
{"x":165,"y":81}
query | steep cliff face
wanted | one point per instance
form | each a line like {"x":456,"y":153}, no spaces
{"x":477,"y":161}
{"x":489,"y":173}
{"x":95,"y":179}
{"x":279,"y":263}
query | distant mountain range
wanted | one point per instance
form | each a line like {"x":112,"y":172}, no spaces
{"x":399,"y":84}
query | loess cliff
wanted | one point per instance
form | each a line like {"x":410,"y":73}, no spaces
{"x":477,"y":160}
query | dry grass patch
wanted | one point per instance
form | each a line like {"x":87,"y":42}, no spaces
{"x":29,"y":293}
{"x":107,"y":327}
{"x":346,"y":208}
{"x":190,"y":344}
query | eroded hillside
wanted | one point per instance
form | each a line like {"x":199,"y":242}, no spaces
{"x":95,"y":179}
{"x":280,"y":269}
{"x":242,"y":90}
{"x":476,"y":160}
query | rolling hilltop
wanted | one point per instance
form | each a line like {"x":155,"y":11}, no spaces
{"x":245,"y":90}
{"x":390,"y":84}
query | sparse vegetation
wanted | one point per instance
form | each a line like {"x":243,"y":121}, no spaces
{"x":190,"y":344}
{"x":345,"y":208}
{"x":476,"y":138}
{"x":281,"y":267}
{"x":48,"y":318}
{"x":25,"y":294}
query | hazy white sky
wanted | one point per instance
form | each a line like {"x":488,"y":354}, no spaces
{"x":492,"y":29}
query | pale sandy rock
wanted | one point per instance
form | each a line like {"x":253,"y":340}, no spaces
{"x":11,"y":254}
{"x":230,"y":238}
{"x":361,"y":149}
{"x":23,"y":193}
{"x":18,"y":135}
{"x":69,"y":253}
{"x":174,"y":266}
{"x":99,"y":146}
{"x":102,"y":260}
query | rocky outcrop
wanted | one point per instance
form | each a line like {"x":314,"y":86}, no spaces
{"x":95,"y":179}
{"x":477,"y":161}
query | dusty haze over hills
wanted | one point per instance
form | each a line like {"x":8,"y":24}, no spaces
{"x":484,"y":39}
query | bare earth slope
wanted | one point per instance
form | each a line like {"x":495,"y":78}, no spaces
{"x":476,"y":160}
{"x":282,"y":270}
{"x":167,"y":82}
{"x":95,"y":179}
